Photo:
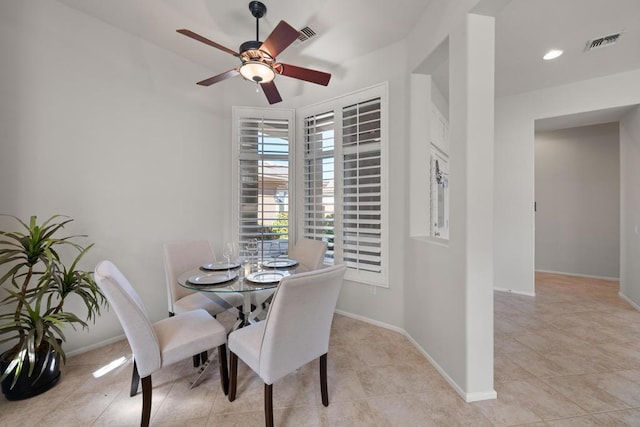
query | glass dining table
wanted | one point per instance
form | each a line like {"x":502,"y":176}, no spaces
{"x":224,"y":278}
{"x":232,"y":279}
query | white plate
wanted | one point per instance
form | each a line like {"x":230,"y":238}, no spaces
{"x":220,"y":265}
{"x":212,"y":278}
{"x":280,"y":263}
{"x":265,"y":277}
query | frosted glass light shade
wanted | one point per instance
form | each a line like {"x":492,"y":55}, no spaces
{"x":257,"y":72}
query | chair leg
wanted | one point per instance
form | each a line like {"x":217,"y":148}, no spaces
{"x":146,"y":401}
{"x":233,"y":361}
{"x":135,"y":380}
{"x":224,"y":373}
{"x":268,"y":405}
{"x":200,"y":359}
{"x":323,"y":380}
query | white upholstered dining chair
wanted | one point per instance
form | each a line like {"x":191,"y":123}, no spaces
{"x":295,"y":332}
{"x":310,"y":256}
{"x":162,"y":343}
{"x":186,"y":255}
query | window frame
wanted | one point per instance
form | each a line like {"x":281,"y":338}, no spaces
{"x":239,"y":113}
{"x":439,"y":230}
{"x":317,"y":166}
{"x":336,"y":105}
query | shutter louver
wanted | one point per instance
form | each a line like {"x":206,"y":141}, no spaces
{"x":319,"y":181}
{"x":362,"y":186}
{"x":263,"y":169}
{"x":343,"y":172}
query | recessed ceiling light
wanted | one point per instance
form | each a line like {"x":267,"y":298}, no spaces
{"x":552,"y":54}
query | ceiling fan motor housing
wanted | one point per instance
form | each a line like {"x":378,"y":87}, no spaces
{"x":250,"y":53}
{"x":250,"y":45}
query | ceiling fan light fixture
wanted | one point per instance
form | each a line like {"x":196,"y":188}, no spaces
{"x":257,"y":72}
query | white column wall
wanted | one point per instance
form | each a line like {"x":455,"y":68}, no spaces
{"x":630,"y":207}
{"x":449,"y":290}
{"x":479,"y":77}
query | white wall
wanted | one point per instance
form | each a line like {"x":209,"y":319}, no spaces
{"x":384,"y":305}
{"x":630,"y":206}
{"x":448,"y":295}
{"x":151,"y":150}
{"x":101,"y":126}
{"x":115,"y":136}
{"x":514,"y":164}
{"x":577,"y":185}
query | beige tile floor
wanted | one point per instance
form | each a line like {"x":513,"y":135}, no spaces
{"x":568,"y":357}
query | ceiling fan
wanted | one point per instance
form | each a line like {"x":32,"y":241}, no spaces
{"x":258,"y":59}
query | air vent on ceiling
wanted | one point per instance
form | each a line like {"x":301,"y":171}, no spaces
{"x":306,"y":33}
{"x":603,"y":41}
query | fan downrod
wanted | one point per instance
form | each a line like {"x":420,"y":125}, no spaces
{"x":258,"y":9}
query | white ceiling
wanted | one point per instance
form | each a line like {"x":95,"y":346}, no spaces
{"x":525,"y":30}
{"x":345,"y":28}
{"x":587,"y":118}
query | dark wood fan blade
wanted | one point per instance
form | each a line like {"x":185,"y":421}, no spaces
{"x":204,"y":40}
{"x":219,"y":77}
{"x":305,"y":74}
{"x":271,"y":92}
{"x":279,"y":39}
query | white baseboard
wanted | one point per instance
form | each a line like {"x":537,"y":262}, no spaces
{"x":94,"y":346}
{"x":588,"y":276}
{"x":511,"y":291}
{"x":371,"y":321}
{"x":627,"y":299}
{"x":468,"y":397}
{"x":476,"y":397}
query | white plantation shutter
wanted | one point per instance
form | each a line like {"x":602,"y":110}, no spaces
{"x":362,"y":186}
{"x":262,"y":170}
{"x":319,"y":181}
{"x":344,"y":201}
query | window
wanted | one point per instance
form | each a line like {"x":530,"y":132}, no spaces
{"x":344,"y":179}
{"x":439,"y":194}
{"x":341,"y":167}
{"x":261,"y":164}
{"x":439,"y":175}
{"x":318,"y":221}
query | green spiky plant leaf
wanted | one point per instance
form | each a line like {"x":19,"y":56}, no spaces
{"x":34,"y":286}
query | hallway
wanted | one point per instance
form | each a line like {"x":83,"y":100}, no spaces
{"x":572,"y":350}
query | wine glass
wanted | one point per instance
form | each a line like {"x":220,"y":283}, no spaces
{"x":252,"y":248}
{"x":227,"y":251}
{"x":245,"y":263}
{"x":275,"y":251}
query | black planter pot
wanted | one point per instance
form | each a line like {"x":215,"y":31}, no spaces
{"x":36,"y":384}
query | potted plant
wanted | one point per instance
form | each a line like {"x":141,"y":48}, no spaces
{"x":35,"y":283}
